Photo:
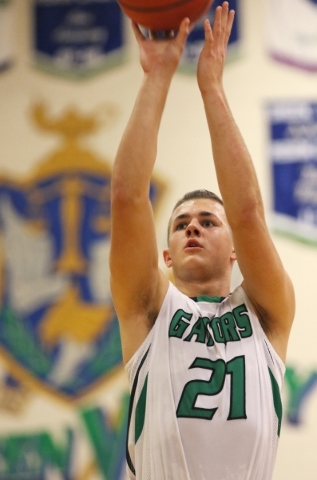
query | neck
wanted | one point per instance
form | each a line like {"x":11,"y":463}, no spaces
{"x":211,"y":288}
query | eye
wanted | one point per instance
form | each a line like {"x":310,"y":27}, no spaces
{"x":181,"y":226}
{"x":207,"y":223}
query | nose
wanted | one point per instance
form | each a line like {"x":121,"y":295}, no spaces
{"x":193,"y":229}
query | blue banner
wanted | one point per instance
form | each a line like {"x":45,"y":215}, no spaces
{"x":196,"y":38}
{"x":76,"y":38}
{"x":293,"y":154}
{"x":6,"y":34}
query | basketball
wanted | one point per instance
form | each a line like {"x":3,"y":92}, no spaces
{"x":164,"y":14}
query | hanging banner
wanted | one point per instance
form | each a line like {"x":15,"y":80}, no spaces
{"x":291,"y":32}
{"x":293,"y":155}
{"x":195,"y":40}
{"x":77,"y":38}
{"x":6,"y":34}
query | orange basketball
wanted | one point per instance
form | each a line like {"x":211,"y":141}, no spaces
{"x":164,"y":14}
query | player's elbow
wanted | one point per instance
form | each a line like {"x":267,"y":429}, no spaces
{"x":119,"y":192}
{"x":247,"y":216}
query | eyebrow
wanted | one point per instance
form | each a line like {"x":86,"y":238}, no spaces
{"x":184,"y":216}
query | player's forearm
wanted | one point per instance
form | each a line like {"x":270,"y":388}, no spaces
{"x":235,"y":171}
{"x":137,"y":151}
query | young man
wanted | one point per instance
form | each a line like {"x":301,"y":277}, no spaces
{"x":205,"y":366}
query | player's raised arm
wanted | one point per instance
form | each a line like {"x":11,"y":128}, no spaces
{"x":138,"y":287}
{"x":265,"y":280}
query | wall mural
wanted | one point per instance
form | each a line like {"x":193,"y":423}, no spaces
{"x":58,"y":329}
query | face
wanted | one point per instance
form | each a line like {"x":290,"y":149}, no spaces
{"x":200,"y":240}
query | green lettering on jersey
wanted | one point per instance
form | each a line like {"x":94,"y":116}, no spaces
{"x":219,"y":369}
{"x":236,"y":370}
{"x":178,"y":324}
{"x":229,"y":328}
{"x":243,"y":321}
{"x":210,"y":342}
{"x":199,"y":330}
{"x":194,"y":388}
{"x":216,"y":327}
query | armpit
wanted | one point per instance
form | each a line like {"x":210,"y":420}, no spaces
{"x":267,"y":321}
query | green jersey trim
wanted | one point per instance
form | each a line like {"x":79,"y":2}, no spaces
{"x":140,"y":411}
{"x":132,"y":395}
{"x":276,"y":400}
{"x":206,"y":298}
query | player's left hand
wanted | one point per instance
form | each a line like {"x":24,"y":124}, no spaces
{"x":213,"y":55}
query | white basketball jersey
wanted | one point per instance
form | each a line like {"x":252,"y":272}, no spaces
{"x":205,"y":393}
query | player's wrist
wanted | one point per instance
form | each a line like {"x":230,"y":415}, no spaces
{"x":213,"y":92}
{"x":158,"y":79}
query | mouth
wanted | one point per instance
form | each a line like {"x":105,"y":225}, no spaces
{"x":192,"y":244}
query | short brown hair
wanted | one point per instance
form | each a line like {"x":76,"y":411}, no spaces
{"x":202,"y":193}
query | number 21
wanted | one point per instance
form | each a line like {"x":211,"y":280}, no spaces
{"x":219,"y":369}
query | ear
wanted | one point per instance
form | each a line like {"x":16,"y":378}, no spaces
{"x":233,"y":256}
{"x":167,"y":258}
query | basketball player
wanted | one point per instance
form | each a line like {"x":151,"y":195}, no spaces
{"x":205,"y":365}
